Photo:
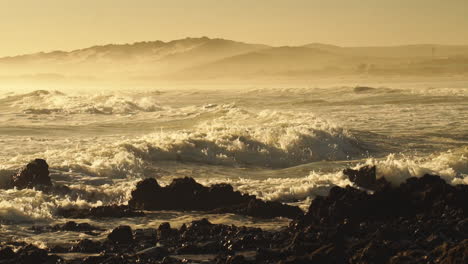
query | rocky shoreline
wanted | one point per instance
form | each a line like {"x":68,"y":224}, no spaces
{"x":423,"y":220}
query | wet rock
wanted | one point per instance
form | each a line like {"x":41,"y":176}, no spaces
{"x":114,"y":211}
{"x":149,"y":235}
{"x":186,"y":194}
{"x":33,"y":255}
{"x":153,"y":253}
{"x":238,"y":259}
{"x":87,"y":246}
{"x":455,"y":254}
{"x":259,"y":208}
{"x":6,"y":253}
{"x":165,"y":232}
{"x":421,"y":221}
{"x":95,"y":260}
{"x":428,"y":195}
{"x":58,"y":249}
{"x":375,"y":251}
{"x":34,"y":174}
{"x":122,"y":235}
{"x":410,"y":257}
{"x":365,"y":177}
{"x":73,"y":226}
{"x":70,"y":226}
{"x":144,"y":194}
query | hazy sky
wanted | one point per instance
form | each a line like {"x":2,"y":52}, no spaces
{"x":44,"y":25}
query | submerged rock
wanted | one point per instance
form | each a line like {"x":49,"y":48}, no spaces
{"x":187,"y":194}
{"x":70,"y":226}
{"x":115,"y":211}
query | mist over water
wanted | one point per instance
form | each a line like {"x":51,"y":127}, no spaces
{"x":282,"y":144}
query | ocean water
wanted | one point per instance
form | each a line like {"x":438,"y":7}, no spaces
{"x":283,"y":144}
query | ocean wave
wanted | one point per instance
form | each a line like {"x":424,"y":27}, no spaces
{"x":42,"y":102}
{"x":29,"y":205}
{"x":451,"y":165}
{"x":235,"y":137}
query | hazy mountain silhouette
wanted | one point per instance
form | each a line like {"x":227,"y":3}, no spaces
{"x":206,"y":58}
{"x":406,"y":51}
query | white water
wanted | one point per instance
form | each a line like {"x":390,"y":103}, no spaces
{"x":284,"y":144}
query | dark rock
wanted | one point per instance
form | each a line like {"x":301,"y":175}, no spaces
{"x":410,"y":257}
{"x":238,"y":259}
{"x":95,"y":260}
{"x":428,"y":194}
{"x":259,"y":208}
{"x":87,"y":246}
{"x":455,"y":254}
{"x":58,"y":249}
{"x":165,"y":231}
{"x":70,"y":226}
{"x":366,"y":177}
{"x":27,"y":254}
{"x":153,"y":253}
{"x":115,"y":211}
{"x":149,"y":234}
{"x":187,"y":194}
{"x":34,"y":174}
{"x":421,"y":221}
{"x":143,"y":195}
{"x":122,"y":235}
{"x":31,"y":255}
{"x":6,"y":253}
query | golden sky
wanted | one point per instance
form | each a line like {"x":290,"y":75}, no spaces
{"x":43,"y":25}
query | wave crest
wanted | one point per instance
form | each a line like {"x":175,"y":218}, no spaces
{"x":54,"y":102}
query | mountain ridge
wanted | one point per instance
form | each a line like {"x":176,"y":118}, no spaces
{"x":208,"y":58}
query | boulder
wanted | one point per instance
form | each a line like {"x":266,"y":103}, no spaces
{"x":365,"y":177}
{"x":122,"y":235}
{"x":34,"y":174}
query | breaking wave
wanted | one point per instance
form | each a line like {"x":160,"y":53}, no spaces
{"x":54,"y":102}
{"x":451,"y":165}
{"x":235,"y":138}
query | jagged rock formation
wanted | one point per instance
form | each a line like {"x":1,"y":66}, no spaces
{"x":187,"y":194}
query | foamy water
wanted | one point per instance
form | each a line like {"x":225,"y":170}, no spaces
{"x":282,"y":144}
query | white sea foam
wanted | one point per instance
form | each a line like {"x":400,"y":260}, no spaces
{"x":54,"y":102}
{"x":452,"y":165}
{"x":33,"y":205}
{"x":234,"y":138}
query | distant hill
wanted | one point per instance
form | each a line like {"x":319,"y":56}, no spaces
{"x":139,"y":58}
{"x":407,"y":51}
{"x":207,"y":58}
{"x":267,"y":62}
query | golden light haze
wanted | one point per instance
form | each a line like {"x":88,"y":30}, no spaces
{"x":28,"y":26}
